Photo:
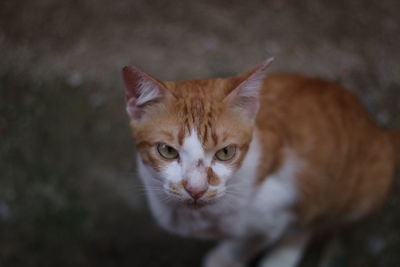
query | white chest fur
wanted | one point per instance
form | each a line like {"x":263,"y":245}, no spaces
{"x":262,"y":210}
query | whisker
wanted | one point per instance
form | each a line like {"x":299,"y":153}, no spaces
{"x":167,"y":198}
{"x":236,"y":185}
{"x":236,"y":193}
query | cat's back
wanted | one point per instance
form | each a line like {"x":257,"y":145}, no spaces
{"x":306,"y":109}
{"x":301,"y":106}
{"x":348,"y":159}
{"x":284,"y":81}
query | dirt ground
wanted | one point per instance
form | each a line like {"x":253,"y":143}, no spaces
{"x":68,"y":191}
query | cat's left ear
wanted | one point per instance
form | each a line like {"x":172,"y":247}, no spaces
{"x":141,"y":90}
{"x":246,"y":94}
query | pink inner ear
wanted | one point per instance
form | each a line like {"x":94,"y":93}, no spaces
{"x":246,"y":94}
{"x":141,"y":89}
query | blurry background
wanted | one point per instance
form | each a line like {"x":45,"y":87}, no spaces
{"x":68,"y":191}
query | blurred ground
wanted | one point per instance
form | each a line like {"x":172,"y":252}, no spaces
{"x":68,"y":191}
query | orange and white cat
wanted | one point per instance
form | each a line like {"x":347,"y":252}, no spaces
{"x":256,"y":161}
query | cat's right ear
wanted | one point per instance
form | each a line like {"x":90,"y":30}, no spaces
{"x":246,"y":94}
{"x":140,"y":90}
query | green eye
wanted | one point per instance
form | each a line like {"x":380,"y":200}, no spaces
{"x":167,"y":152}
{"x":226,"y":153}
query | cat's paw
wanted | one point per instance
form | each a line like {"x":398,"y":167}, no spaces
{"x":220,"y":258}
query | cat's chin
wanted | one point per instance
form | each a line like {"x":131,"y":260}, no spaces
{"x":198,"y":204}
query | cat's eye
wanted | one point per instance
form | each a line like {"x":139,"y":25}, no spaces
{"x":167,"y":151}
{"x":226,"y":153}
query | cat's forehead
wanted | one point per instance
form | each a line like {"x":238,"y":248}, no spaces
{"x":197,"y":107}
{"x":206,"y":89}
{"x":213,"y":130}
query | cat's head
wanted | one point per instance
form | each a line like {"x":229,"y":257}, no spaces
{"x":192,"y":136}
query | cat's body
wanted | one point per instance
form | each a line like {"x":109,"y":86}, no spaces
{"x":307,"y":155}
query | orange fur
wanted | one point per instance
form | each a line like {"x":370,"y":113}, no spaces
{"x":349,"y":160}
{"x":213,"y":179}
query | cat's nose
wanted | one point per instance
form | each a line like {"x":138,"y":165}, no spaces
{"x":195,"y":192}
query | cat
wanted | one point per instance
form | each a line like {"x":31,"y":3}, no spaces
{"x":257,"y":161}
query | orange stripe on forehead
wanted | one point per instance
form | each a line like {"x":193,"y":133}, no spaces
{"x":181,"y":135}
{"x":197,"y":115}
{"x":214,"y":137}
{"x":205,"y":134}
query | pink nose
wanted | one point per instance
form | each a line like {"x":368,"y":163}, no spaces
{"x":195,"y":192}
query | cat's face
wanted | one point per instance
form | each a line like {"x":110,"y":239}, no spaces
{"x":192,"y":160}
{"x":192,"y":136}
